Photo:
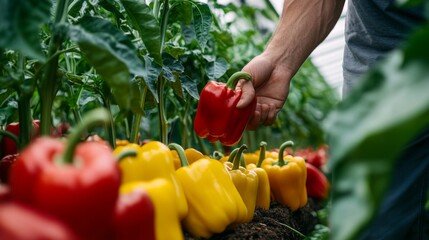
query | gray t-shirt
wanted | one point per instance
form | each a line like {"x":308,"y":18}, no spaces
{"x":373,"y":28}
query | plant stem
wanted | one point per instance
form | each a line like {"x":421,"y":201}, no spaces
{"x":163,"y":123}
{"x":24,"y":110}
{"x":106,"y":102}
{"x":48,"y":84}
{"x":137,"y":118}
{"x":181,"y":152}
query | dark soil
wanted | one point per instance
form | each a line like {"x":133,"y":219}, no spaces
{"x":270,"y":224}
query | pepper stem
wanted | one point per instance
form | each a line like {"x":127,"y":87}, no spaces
{"x":233,"y":80}
{"x":126,"y":153}
{"x":262,"y":149}
{"x":232,"y":155}
{"x":281,"y":162}
{"x":181,"y":152}
{"x":93,"y":118}
{"x":237,"y":158}
{"x":10,"y":135}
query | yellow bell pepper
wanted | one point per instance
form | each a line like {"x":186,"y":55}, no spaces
{"x":191,"y":154}
{"x":214,"y":202}
{"x":153,"y":160}
{"x":246,"y":182}
{"x":263,"y":196}
{"x":287,"y":177}
{"x":163,"y":195}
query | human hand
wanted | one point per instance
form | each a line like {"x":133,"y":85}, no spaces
{"x":270,"y":84}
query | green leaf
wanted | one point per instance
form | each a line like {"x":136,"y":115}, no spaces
{"x":216,"y":69}
{"x":111,"y":53}
{"x":370,"y":128}
{"x":151,"y":74}
{"x":190,"y":86}
{"x":142,"y":19}
{"x":175,"y":51}
{"x":181,"y":12}
{"x":20,"y":22}
{"x":203,"y":19}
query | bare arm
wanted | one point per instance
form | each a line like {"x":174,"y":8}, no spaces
{"x":304,"y":24}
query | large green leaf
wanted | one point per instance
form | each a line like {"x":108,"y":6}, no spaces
{"x":216,"y":69}
{"x":111,"y":53}
{"x":20,"y":22}
{"x":147,"y":25}
{"x":150,"y":76}
{"x":203,"y":19}
{"x":368,"y":130}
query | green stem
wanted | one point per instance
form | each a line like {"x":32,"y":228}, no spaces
{"x":217,"y":155}
{"x":137,"y":118}
{"x":164,"y":21}
{"x":11,"y":136}
{"x":156,"y":6}
{"x":181,"y":152}
{"x":91,"y":119}
{"x":24,"y":110}
{"x":281,"y":162}
{"x":262,"y":149}
{"x":126,"y":153}
{"x":106,"y":103}
{"x":237,"y":158}
{"x":203,"y":147}
{"x":163,"y":124}
{"x":48,"y":84}
{"x":232,"y":155}
{"x":233,"y":80}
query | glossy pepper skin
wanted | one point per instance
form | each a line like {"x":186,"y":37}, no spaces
{"x":163,"y":195}
{"x":246,"y":182}
{"x":287,"y":177}
{"x":76,"y":182}
{"x":214,"y":202}
{"x":264,"y":191}
{"x":154,"y":160}
{"x":19,"y":221}
{"x":82,"y":194}
{"x":217,"y":116}
{"x":134,"y":217}
{"x":317,"y":184}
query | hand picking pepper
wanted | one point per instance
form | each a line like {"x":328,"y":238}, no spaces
{"x":134,"y":216}
{"x":217,"y":116}
{"x":287,"y":178}
{"x":76,"y":182}
{"x":163,"y":195}
{"x":264,"y":191}
{"x":246,"y":182}
{"x":154,"y":160}
{"x":214,"y":202}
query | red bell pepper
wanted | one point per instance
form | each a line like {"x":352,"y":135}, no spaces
{"x":76,"y":182}
{"x":8,"y":145}
{"x":134,"y":216}
{"x":19,"y":222}
{"x":317,"y":184}
{"x":217,"y":116}
{"x":6,"y":164}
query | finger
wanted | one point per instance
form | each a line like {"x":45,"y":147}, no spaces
{"x":254,"y":120}
{"x":247,"y":95}
{"x":265,"y":108}
{"x":272,"y":115}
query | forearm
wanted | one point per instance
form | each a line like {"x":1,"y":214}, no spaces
{"x":304,"y":24}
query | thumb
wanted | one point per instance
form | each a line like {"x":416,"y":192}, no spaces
{"x":247,"y":95}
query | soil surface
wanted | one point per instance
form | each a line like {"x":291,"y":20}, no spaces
{"x":270,"y":224}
